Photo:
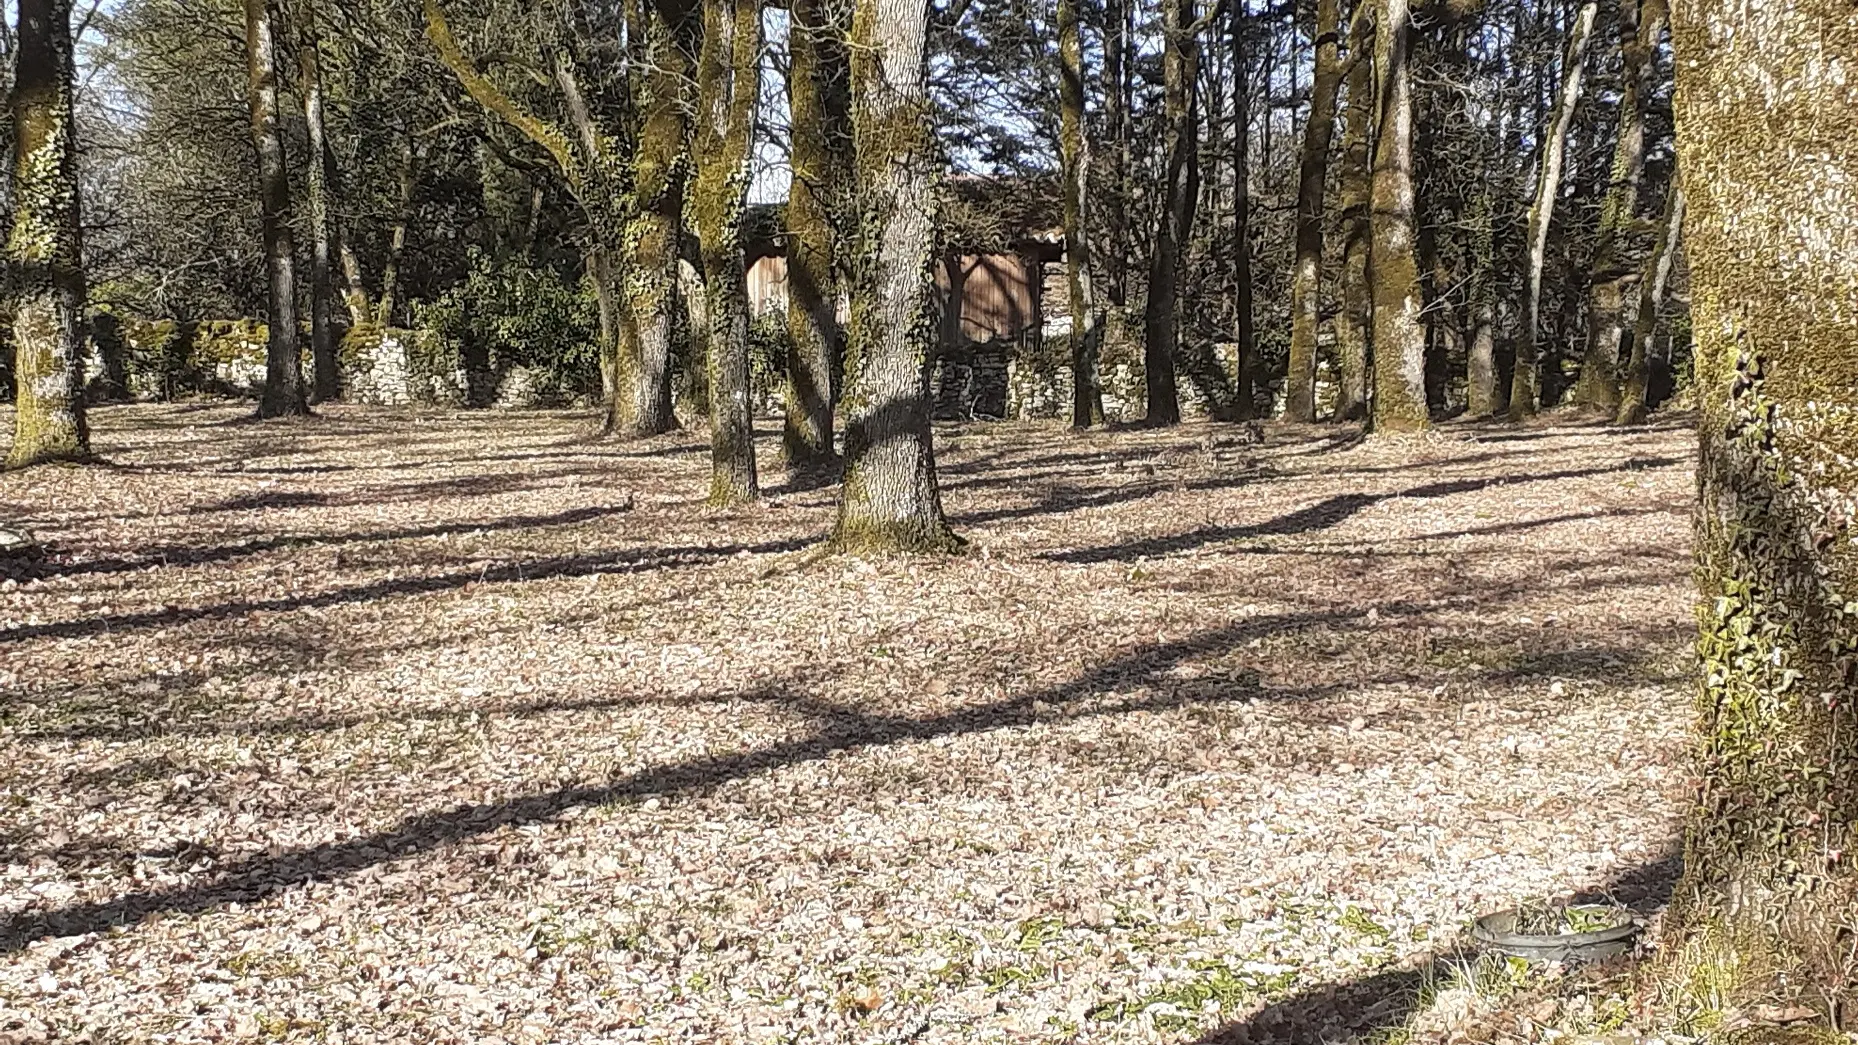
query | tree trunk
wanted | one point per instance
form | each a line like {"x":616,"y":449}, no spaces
{"x":44,"y":255}
{"x":1526,"y":381}
{"x":1481,"y":390}
{"x":599,"y":268}
{"x":1399,"y":335}
{"x":1597,"y":388}
{"x":1074,"y":157}
{"x":889,"y":499}
{"x":649,"y":269}
{"x":1180,"y":63}
{"x":727,"y":87}
{"x":1244,"y":319}
{"x":1312,"y":174}
{"x":1356,"y":318}
{"x":818,"y":114}
{"x":1767,"y":116}
{"x":396,"y":243}
{"x":325,"y":382}
{"x":1652,"y":286}
{"x":1115,"y":90}
{"x":283,"y":391}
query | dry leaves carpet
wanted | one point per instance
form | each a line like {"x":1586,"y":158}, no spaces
{"x":461,"y":728}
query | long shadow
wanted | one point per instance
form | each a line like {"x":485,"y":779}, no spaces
{"x":1334,"y":1012}
{"x":188,"y":555}
{"x":636,"y":560}
{"x":839,"y":730}
{"x":1320,"y":516}
{"x":1059,"y":502}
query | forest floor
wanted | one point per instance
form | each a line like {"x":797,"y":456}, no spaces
{"x":457,"y":727}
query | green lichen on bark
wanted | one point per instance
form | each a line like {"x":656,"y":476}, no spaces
{"x":727,"y":89}
{"x":889,"y":499}
{"x":1766,"y":102}
{"x":819,"y":111}
{"x":44,"y":245}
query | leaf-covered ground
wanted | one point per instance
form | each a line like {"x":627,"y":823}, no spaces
{"x":461,"y":728}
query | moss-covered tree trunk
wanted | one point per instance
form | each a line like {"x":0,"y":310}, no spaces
{"x":1180,"y":71}
{"x":1652,"y":287}
{"x":325,"y":383}
{"x":1074,"y":159}
{"x":647,"y":254}
{"x":1525,"y":382}
{"x":726,"y":94}
{"x":1312,"y":176}
{"x":1399,"y":333}
{"x":283,"y":393}
{"x":44,"y":256}
{"x":633,"y":209}
{"x":889,"y":499}
{"x":1767,"y":121}
{"x":1354,"y":322}
{"x":1641,"y":23}
{"x":818,"y":105}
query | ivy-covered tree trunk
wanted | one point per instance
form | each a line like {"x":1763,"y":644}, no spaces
{"x":1355,"y":320}
{"x":1399,"y":333}
{"x":1180,"y":70}
{"x":325,"y":383}
{"x":889,"y":499}
{"x":1653,"y":284}
{"x":1641,"y":23}
{"x":726,"y":94}
{"x":283,"y":393}
{"x":1767,"y":117}
{"x":44,"y":256}
{"x":818,"y":106}
{"x":1074,"y":158}
{"x":1312,"y":174}
{"x":1525,"y":383}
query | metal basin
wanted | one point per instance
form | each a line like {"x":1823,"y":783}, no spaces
{"x":1497,"y":932}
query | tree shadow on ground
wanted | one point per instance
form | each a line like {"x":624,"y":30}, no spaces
{"x":190,"y":555}
{"x":1320,"y":516}
{"x":1144,"y":679}
{"x":630,"y":560}
{"x":1385,"y":1001}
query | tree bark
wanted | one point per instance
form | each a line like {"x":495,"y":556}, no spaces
{"x":325,"y":382}
{"x":1399,"y":334}
{"x":1074,"y":158}
{"x":1611,"y":274}
{"x":1652,"y":286}
{"x":1244,"y":318}
{"x":889,"y":500}
{"x":44,"y":255}
{"x":1767,"y":116}
{"x":283,"y":390}
{"x":1115,"y":90}
{"x":1312,"y":176}
{"x":818,"y":111}
{"x":1356,"y":319}
{"x":1481,"y":388}
{"x":1180,"y":65}
{"x":727,"y":87}
{"x":649,"y":269}
{"x":1525,"y":383}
